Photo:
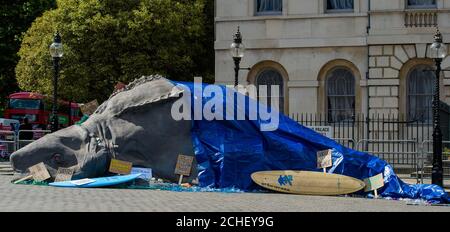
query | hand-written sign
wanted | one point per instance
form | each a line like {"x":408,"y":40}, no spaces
{"x":324,"y":159}
{"x":120,"y":167}
{"x":39,"y":172}
{"x":184,"y":165}
{"x":89,"y":108}
{"x":374,"y":182}
{"x":64,"y":174}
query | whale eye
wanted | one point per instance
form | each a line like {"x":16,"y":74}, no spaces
{"x":58,"y":158}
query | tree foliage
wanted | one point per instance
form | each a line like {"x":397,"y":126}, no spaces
{"x":15,"y":18}
{"x":107,"y":41}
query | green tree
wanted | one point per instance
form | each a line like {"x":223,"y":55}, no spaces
{"x":15,"y":18}
{"x":106,"y":41}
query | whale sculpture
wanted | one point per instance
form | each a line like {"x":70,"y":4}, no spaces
{"x":133,"y":125}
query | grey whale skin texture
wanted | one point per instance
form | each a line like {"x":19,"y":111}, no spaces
{"x":134,"y":125}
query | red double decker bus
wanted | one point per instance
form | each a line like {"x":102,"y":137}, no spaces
{"x":37,"y":108}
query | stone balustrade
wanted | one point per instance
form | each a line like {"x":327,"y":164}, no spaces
{"x":421,"y":18}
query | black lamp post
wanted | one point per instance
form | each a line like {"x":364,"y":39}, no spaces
{"x":56,"y":51}
{"x":438,"y":51}
{"x":237,"y":50}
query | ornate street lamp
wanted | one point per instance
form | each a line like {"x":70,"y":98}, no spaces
{"x":438,"y":51}
{"x":237,"y":50}
{"x":56,"y":51}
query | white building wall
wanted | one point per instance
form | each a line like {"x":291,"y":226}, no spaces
{"x":304,"y":38}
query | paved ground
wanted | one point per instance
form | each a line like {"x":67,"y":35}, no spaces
{"x":43,"y":198}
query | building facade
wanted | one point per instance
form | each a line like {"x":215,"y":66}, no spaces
{"x":338,"y":57}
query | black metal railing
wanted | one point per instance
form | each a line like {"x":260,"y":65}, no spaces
{"x":391,"y":137}
{"x":445,"y":121}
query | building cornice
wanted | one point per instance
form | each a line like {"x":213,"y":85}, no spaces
{"x":290,"y":17}
{"x":441,"y":10}
{"x":297,"y":43}
{"x":403,"y":37}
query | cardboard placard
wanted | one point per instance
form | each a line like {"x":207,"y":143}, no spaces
{"x":64,"y":174}
{"x":374,"y":182}
{"x":39,"y":172}
{"x":120,"y":167}
{"x":324,"y":159}
{"x":184,"y":165}
{"x":146,"y":173}
{"x":90,"y":107}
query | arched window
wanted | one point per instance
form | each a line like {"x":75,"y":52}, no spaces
{"x":420,"y":93}
{"x":269,"y":78}
{"x":340,"y":90}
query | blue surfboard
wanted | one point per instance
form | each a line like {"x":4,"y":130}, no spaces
{"x":97,"y":182}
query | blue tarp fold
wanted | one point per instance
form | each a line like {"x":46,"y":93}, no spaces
{"x":229,"y":151}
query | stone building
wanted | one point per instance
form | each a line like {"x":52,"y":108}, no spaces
{"x":338,"y":57}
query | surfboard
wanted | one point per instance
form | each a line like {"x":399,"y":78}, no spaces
{"x":307,"y":183}
{"x":96,"y":182}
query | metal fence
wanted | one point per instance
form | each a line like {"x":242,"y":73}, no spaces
{"x":8,"y":143}
{"x":11,"y":141}
{"x":390,"y":137}
{"x":427,"y":156}
{"x":36,"y":135}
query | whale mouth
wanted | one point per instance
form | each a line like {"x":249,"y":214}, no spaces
{"x":52,"y":166}
{"x":57,"y":150}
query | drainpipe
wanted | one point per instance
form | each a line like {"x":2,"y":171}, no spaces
{"x":366,"y":145}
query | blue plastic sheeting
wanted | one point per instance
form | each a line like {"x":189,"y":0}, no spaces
{"x":229,"y":151}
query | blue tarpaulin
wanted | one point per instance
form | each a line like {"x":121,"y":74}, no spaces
{"x":229,"y":151}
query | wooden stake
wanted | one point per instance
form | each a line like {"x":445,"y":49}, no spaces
{"x":376,"y":193}
{"x":325,"y":170}
{"x":23,"y":179}
{"x":181,"y":179}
